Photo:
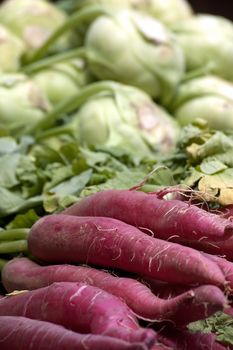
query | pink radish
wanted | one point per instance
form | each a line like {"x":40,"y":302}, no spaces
{"x":226,"y":267}
{"x":79,"y":307}
{"x":193,"y":304}
{"x":185,"y":340}
{"x":112,"y":243}
{"x":21,"y":333}
{"x":165,"y":218}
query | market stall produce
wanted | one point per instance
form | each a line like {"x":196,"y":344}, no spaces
{"x":116,"y":169}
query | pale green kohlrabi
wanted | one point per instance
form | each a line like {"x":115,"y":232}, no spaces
{"x":11,"y":51}
{"x":137,"y":50}
{"x":209,"y":98}
{"x":207,"y":42}
{"x":62,"y":80}
{"x":127,"y":119}
{"x":33,"y":21}
{"x":167,"y":11}
{"x":21,"y":103}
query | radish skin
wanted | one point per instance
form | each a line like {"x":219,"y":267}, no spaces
{"x":165,"y":218}
{"x":21,"y":333}
{"x":229,"y":311}
{"x":226,"y":212}
{"x":185,"y":340}
{"x":226,"y":267}
{"x":222,"y":248}
{"x":79,"y":307}
{"x":112,"y":243}
{"x":193,"y":305}
{"x":165,"y":290}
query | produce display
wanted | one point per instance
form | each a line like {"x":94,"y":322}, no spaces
{"x":116,"y":176}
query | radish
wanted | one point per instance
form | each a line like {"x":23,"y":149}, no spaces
{"x":226,"y":267}
{"x":79,"y":307}
{"x":165,"y":290}
{"x":21,"y":333}
{"x":226,"y":212}
{"x":222,"y":247}
{"x":165,"y":218}
{"x":185,"y":340}
{"x":194,"y":304}
{"x":229,"y":311}
{"x":112,"y":243}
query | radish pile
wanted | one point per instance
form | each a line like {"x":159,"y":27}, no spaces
{"x":158,"y":287}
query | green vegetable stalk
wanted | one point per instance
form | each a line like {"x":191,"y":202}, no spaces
{"x":207,"y":42}
{"x":77,"y":20}
{"x":21,"y":102}
{"x":19,"y":246}
{"x":13,"y":234}
{"x":12,"y":49}
{"x":33,"y":21}
{"x":2,"y":263}
{"x":209,"y":98}
{"x":153,"y":61}
{"x":13,"y":241}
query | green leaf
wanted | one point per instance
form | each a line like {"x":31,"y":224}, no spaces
{"x":94,"y":158}
{"x":73,"y":186}
{"x":57,"y":173}
{"x":27,"y":174}
{"x":193,"y":178}
{"x":211,"y":167}
{"x":161,"y":176}
{"x":8,"y":167}
{"x":25,"y":220}
{"x":70,"y":151}
{"x":220,"y":324}
{"x":123,"y":180}
{"x":45,"y":155}
{"x":215,"y":145}
{"x":65,"y":193}
{"x":9,"y":201}
{"x":7,"y":145}
{"x":12,"y":203}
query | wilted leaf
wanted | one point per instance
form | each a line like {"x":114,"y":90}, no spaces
{"x":211,"y":167}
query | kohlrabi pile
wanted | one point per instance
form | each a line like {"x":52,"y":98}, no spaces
{"x":116,"y":176}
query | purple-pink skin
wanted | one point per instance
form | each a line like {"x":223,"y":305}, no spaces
{"x":161,"y":347}
{"x":166,"y":219}
{"x":165,"y":290}
{"x":222,"y":248}
{"x":112,"y":243}
{"x":226,"y":267}
{"x":226,"y":212}
{"x":21,"y":333}
{"x":81,"y":308}
{"x":169,"y":292}
{"x":192,"y":305}
{"x":229,"y":311}
{"x":185,"y":340}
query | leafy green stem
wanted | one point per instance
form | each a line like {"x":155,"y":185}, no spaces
{"x":2,"y":263}
{"x":48,"y":61}
{"x":14,"y":234}
{"x":18,"y":246}
{"x":79,"y":17}
{"x":72,"y":104}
